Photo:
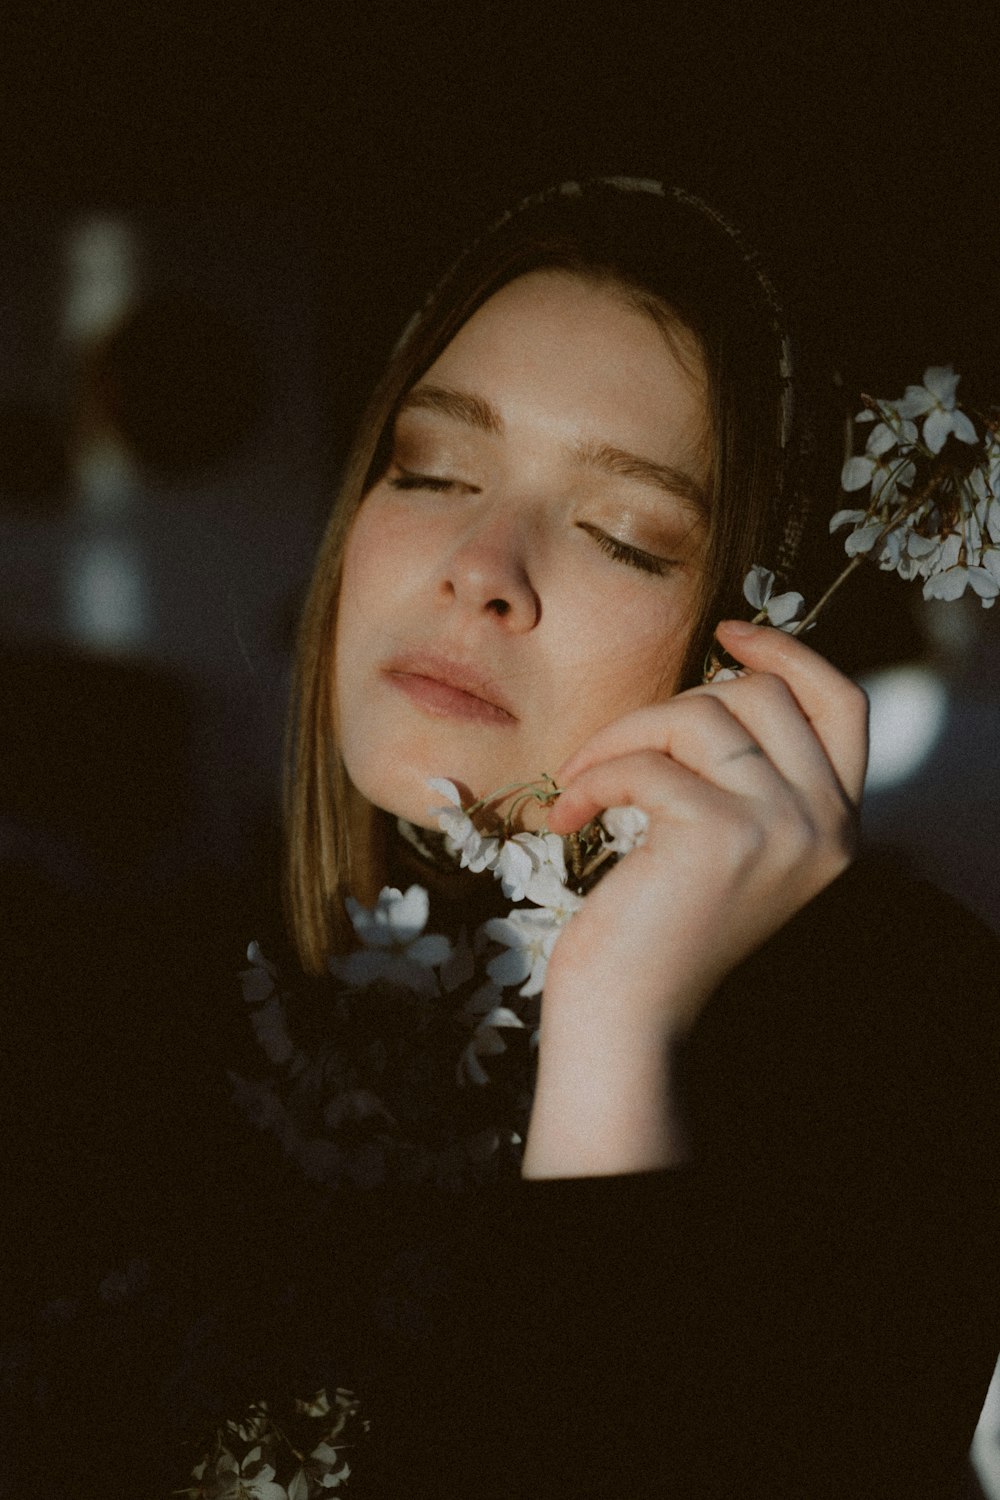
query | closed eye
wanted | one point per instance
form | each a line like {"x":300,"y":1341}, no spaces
{"x":623,"y":552}
{"x":406,"y":479}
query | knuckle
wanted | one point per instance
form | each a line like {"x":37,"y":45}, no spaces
{"x":768,"y":688}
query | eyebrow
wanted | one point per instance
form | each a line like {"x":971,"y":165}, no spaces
{"x":474,"y":411}
{"x":479,"y":413}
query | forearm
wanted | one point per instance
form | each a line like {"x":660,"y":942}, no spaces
{"x":606,"y":1098}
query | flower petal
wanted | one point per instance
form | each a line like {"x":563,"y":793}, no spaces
{"x":963,"y":428}
{"x":916,"y":401}
{"x":936,"y":429}
{"x":863,"y":539}
{"x":509,"y":968}
{"x":846,"y":518}
{"x":856,"y":473}
{"x":880,"y":440}
{"x":947,"y":585}
{"x":942,"y":382}
{"x":407,"y":915}
{"x":757,"y":586}
{"x":784,"y":608}
{"x":431,"y":949}
{"x":514,"y":867}
{"x":446,"y":789}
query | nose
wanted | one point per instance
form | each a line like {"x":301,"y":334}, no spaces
{"x":487,"y":573}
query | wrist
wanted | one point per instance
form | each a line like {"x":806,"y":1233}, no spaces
{"x":605,"y":1101}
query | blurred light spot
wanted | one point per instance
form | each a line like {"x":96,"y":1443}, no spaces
{"x":105,"y":477}
{"x":986,"y":1443}
{"x":909,"y":706}
{"x":102,"y":276}
{"x":106,"y":600}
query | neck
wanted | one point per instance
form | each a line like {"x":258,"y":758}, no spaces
{"x":419,"y":856}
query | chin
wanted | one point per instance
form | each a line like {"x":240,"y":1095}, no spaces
{"x":400,"y":791}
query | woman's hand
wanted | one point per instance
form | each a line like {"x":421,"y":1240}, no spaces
{"x":752,"y":788}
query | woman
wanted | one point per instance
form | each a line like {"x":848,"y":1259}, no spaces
{"x":749,"y":1247}
{"x":753,"y":1248}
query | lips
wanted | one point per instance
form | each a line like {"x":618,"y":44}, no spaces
{"x":445,"y":686}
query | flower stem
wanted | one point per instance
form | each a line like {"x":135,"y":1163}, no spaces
{"x":862,"y":557}
{"x":820,"y":605}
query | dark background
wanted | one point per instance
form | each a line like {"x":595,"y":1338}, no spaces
{"x":292,"y":182}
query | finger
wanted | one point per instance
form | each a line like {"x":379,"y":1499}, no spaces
{"x":646,"y":779}
{"x":835,"y":706}
{"x":764,"y":705}
{"x":699,"y":733}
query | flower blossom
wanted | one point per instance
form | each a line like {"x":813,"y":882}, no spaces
{"x":529,"y":937}
{"x":779,"y":609}
{"x":627,"y":827}
{"x":395,"y":949}
{"x":476,"y":851}
{"x":493,"y":1018}
{"x":944,"y":529}
{"x":935,"y":401}
{"x":879,"y":465}
{"x":228,"y":1479}
{"x":527,"y":862}
{"x":320,"y":1473}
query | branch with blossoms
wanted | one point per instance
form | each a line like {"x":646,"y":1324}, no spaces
{"x":932,"y":472}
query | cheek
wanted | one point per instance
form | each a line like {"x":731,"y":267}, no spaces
{"x":625,"y":655}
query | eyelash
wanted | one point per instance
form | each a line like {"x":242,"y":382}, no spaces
{"x":633,"y":557}
{"x":421,"y":482}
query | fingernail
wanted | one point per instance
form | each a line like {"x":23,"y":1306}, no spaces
{"x":739,"y":627}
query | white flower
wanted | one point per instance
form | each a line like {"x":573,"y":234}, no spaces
{"x":627,"y":827}
{"x":394,"y":949}
{"x":936,"y":399}
{"x":228,"y":1479}
{"x":486,"y":1042}
{"x":476,"y":851}
{"x":529,"y":937}
{"x":951,"y":583}
{"x":321,"y":1473}
{"x":514,"y":867}
{"x":254,"y":1427}
{"x":780,"y":609}
{"x":527,"y":862}
{"x":884,"y":471}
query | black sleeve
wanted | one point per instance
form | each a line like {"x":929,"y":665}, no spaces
{"x":809,"y":1309}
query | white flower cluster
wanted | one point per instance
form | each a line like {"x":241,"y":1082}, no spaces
{"x":417,"y":1013}
{"x":530,"y":867}
{"x":932,"y":514}
{"x":250,"y":1454}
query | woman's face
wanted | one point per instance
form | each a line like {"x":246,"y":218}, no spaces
{"x":527,"y":568}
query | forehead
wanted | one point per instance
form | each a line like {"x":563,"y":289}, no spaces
{"x":557,"y":349}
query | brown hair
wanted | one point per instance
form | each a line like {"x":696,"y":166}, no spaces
{"x":675,"y":258}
